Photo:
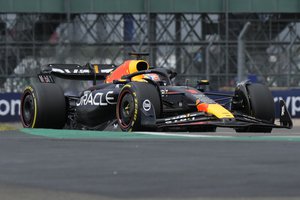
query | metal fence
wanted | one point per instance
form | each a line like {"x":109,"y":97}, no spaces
{"x":197,"y":46}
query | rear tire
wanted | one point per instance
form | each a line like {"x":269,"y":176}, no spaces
{"x":130,"y":101}
{"x":43,"y":106}
{"x":262,"y":107}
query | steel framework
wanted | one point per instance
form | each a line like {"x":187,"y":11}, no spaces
{"x":197,"y":46}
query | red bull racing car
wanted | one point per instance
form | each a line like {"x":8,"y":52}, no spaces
{"x":136,"y":97}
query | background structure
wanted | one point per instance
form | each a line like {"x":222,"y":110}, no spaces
{"x":225,"y":41}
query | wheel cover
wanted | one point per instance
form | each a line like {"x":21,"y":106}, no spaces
{"x":28,"y":110}
{"x":126,"y":109}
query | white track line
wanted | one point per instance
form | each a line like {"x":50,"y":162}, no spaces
{"x":184,"y":135}
{"x":218,"y":136}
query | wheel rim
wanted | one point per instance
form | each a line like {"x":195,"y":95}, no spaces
{"x":28,"y":110}
{"x":126,"y":109}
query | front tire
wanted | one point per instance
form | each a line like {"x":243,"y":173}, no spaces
{"x":132,"y":98}
{"x":261,"y":106}
{"x":43,"y":106}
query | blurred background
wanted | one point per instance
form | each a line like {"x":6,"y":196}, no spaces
{"x":225,"y":41}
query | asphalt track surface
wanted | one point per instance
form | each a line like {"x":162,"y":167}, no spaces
{"x":141,"y":166}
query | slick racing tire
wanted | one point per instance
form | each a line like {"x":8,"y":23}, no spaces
{"x":262,"y":107}
{"x":130,"y":103}
{"x":43,"y":106}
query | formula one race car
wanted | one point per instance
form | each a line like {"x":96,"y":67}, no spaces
{"x":135,"y":97}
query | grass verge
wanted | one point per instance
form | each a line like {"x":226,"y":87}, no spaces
{"x":10,"y":126}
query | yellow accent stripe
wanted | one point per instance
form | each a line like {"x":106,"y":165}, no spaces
{"x":35,"y":114}
{"x":96,"y":68}
{"x":127,"y":85}
{"x":35,"y":106}
{"x":219,"y":111}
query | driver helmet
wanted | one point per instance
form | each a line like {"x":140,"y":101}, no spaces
{"x":152,"y":76}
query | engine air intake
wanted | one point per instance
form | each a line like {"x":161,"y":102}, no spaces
{"x":142,"y":65}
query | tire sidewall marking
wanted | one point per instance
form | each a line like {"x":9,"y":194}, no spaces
{"x":135,"y":109}
{"x":35,"y":105}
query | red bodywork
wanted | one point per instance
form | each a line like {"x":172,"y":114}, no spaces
{"x":128,"y":67}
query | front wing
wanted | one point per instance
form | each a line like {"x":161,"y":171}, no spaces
{"x":239,"y":120}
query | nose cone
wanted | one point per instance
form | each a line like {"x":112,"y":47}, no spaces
{"x":219,"y":111}
{"x":216,"y":110}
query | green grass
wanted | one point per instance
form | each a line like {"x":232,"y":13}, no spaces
{"x":7,"y":127}
{"x":10,"y":126}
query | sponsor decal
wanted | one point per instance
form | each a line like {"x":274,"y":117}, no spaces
{"x":106,"y":70}
{"x":10,"y":107}
{"x":146,"y":105}
{"x":164,"y":91}
{"x":97,"y":99}
{"x":79,"y":71}
{"x":181,"y":118}
{"x":71,"y":71}
{"x":292,"y":103}
{"x":167,"y":92}
{"x":45,"y":78}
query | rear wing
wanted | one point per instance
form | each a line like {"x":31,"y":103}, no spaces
{"x":78,"y":72}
